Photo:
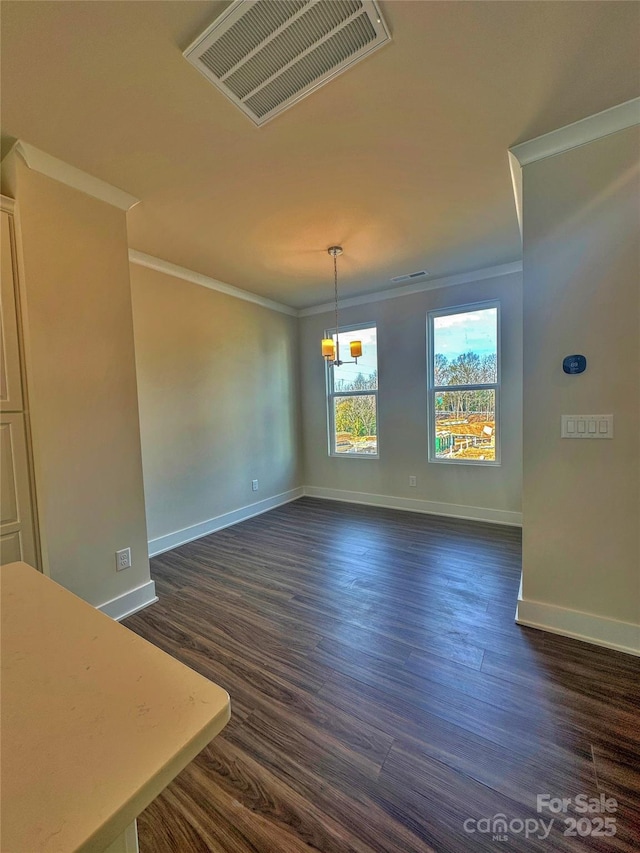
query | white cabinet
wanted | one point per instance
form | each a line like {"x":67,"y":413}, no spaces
{"x":16,"y":516}
{"x":17,"y":529}
{"x":10,"y":379}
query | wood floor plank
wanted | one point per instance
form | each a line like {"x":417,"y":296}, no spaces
{"x":250,"y":812}
{"x":617,"y":774}
{"x":462,"y":652}
{"x":382,"y":693}
{"x":348,"y":802}
{"x":430,"y":798}
{"x":604,"y":710}
{"x":284,"y":812}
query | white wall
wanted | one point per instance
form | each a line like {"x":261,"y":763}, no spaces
{"x":402,"y":421}
{"x":82,"y":387}
{"x":219,"y":404}
{"x":581,"y":295}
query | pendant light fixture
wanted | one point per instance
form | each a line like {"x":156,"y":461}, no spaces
{"x":331,"y":348}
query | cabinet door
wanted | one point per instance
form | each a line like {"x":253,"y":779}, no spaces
{"x":10,"y":380}
{"x":17,"y":540}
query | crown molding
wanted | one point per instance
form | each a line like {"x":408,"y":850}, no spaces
{"x":516,"y":181}
{"x":418,"y":287}
{"x":566,"y":138}
{"x":58,"y":170}
{"x":160,"y":265}
{"x":153,"y":263}
{"x":579,"y":133}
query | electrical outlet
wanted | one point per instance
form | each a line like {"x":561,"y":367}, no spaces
{"x":413,"y":480}
{"x":123,"y":559}
{"x":254,"y":485}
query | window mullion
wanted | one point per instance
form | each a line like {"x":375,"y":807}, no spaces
{"x":484,"y":387}
{"x":354,"y":393}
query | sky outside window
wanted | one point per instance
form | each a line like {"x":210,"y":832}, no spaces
{"x":367,"y":365}
{"x":472,"y":331}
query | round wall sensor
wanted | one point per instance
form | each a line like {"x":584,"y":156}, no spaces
{"x":574,"y":364}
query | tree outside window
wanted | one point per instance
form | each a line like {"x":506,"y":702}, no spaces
{"x":464,"y":384}
{"x":352,"y":394}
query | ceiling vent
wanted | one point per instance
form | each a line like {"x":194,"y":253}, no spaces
{"x":265,"y":56}
{"x":409,"y":276}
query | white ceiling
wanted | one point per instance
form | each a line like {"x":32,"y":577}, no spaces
{"x":402,"y":160}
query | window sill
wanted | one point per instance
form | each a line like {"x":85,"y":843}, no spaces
{"x":354,"y":455}
{"x":484,"y":463}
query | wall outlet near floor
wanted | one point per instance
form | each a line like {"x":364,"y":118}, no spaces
{"x":413,"y":480}
{"x":123,"y":559}
{"x":254,"y":485}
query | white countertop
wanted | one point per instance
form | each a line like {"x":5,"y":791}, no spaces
{"x":95,"y":721}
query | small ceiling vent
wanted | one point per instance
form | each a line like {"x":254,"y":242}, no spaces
{"x":264,"y":55}
{"x":409,"y":276}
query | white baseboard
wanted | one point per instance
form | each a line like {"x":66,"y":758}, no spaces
{"x":204,"y":528}
{"x":599,"y":630}
{"x":130,"y":602}
{"x":473,"y":513}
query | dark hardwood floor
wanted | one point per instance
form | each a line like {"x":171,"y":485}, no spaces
{"x":382,"y":694}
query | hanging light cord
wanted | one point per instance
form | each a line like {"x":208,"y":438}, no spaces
{"x":335,"y":283}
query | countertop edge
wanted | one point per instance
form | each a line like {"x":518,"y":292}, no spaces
{"x":116,"y":823}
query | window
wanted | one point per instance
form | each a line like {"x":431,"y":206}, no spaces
{"x":352,"y":395}
{"x":464,"y":384}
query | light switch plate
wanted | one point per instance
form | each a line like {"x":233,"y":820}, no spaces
{"x":587,"y":426}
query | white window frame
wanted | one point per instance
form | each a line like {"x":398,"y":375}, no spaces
{"x":432,"y":388}
{"x":332,"y":394}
